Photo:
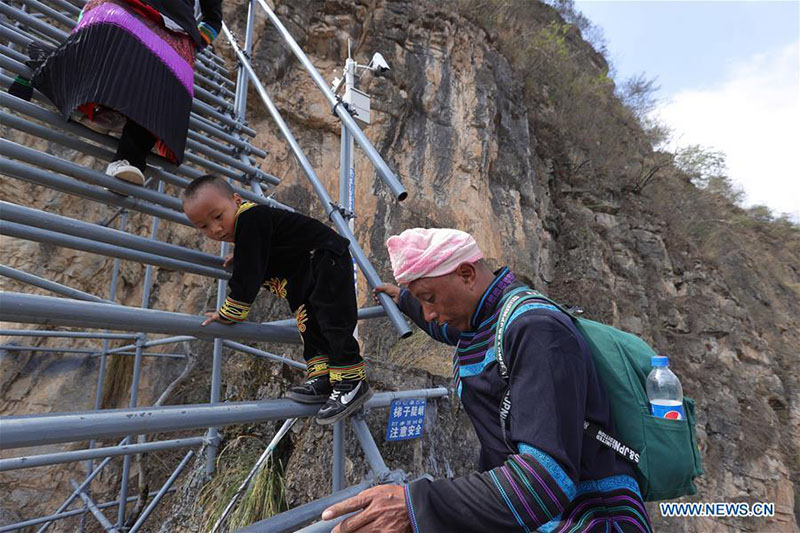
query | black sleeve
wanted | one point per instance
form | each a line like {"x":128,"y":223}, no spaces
{"x":411,"y":307}
{"x":250,"y":261}
{"x":533,"y":486}
{"x":518,"y":495}
{"x":212,"y":13}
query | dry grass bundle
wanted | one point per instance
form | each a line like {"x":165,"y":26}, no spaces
{"x":264,"y":497}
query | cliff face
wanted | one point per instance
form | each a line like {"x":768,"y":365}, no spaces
{"x":453,"y":119}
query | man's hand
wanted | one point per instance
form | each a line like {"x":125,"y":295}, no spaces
{"x":392,"y":290}
{"x":214,"y":317}
{"x":228,"y":260}
{"x":384,"y":510}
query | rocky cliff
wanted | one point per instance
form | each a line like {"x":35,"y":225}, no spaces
{"x":465,"y":125}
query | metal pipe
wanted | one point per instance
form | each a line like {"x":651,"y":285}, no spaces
{"x":13,"y":54}
{"x":293,"y":519}
{"x":369,"y":272}
{"x":325,"y":526}
{"x":126,"y":461}
{"x":212,"y":74}
{"x":380,"y":165}
{"x":64,"y":334}
{"x":165,"y":171}
{"x":32,"y":461}
{"x":137,"y":369}
{"x":196,"y":123}
{"x":157,"y":342}
{"x":214,"y":63}
{"x":167,"y":484}
{"x":363,"y":314}
{"x":61,"y":516}
{"x":215,"y":86}
{"x":229,"y":344}
{"x":18,"y":348}
{"x":35,"y":309}
{"x":208,"y":111}
{"x":211,"y":143}
{"x":70,"y":186}
{"x":210,"y":98}
{"x":216,"y":374}
{"x":52,"y":286}
{"x":94,"y":177}
{"x":231,"y":162}
{"x":28,"y":20}
{"x":35,"y":430}
{"x":66,"y":6}
{"x":371,"y":452}
{"x":82,"y":486}
{"x":50,"y":12}
{"x":216,"y":386}
{"x":20,"y":231}
{"x":17,"y":67}
{"x":108,"y":526}
{"x":339,"y":481}
{"x":261,"y":353}
{"x":242,"y":79}
{"x":78,"y":228}
{"x":101,"y":373}
{"x":43,"y":132}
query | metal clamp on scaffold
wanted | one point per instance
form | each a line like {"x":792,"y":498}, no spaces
{"x":346,"y":214}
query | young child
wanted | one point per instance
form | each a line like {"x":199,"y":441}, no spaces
{"x":302,"y":260}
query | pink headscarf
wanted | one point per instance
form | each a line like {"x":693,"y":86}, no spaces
{"x":427,"y":253}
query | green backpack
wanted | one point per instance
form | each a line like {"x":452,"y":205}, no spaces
{"x":664,"y":451}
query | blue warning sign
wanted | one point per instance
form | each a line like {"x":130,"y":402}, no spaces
{"x":406,"y":419}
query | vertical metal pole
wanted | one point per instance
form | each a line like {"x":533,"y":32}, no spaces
{"x":346,"y":200}
{"x":339,"y":481}
{"x":126,"y":464}
{"x":216,"y":375}
{"x":101,"y":373}
{"x":242,"y":78}
{"x":349,"y":200}
{"x":240,"y":106}
{"x":137,"y":371}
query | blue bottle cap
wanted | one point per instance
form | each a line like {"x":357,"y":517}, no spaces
{"x":659,"y":360}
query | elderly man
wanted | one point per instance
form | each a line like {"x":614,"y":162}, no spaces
{"x":538,"y":469}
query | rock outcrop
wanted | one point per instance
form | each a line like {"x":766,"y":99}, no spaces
{"x":452,"y":118}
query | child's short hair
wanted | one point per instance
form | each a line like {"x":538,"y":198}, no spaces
{"x":207,"y":180}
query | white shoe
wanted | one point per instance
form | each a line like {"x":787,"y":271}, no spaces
{"x":125,"y":171}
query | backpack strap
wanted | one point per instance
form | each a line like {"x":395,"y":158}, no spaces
{"x":513,"y":302}
{"x":515,"y":299}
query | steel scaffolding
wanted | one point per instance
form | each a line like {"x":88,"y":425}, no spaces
{"x":219,"y":141}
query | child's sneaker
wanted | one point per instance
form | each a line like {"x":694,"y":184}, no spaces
{"x":315,"y":390}
{"x":347,"y":396}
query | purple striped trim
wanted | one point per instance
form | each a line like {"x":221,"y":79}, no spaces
{"x":615,"y":519}
{"x":519,"y":493}
{"x":118,"y":16}
{"x":410,"y":508}
{"x":530,"y":469}
{"x":602,"y":499}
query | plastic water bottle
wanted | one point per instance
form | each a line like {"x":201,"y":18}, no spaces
{"x":664,"y":390}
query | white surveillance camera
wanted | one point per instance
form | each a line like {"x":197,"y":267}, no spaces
{"x":378,"y":63}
